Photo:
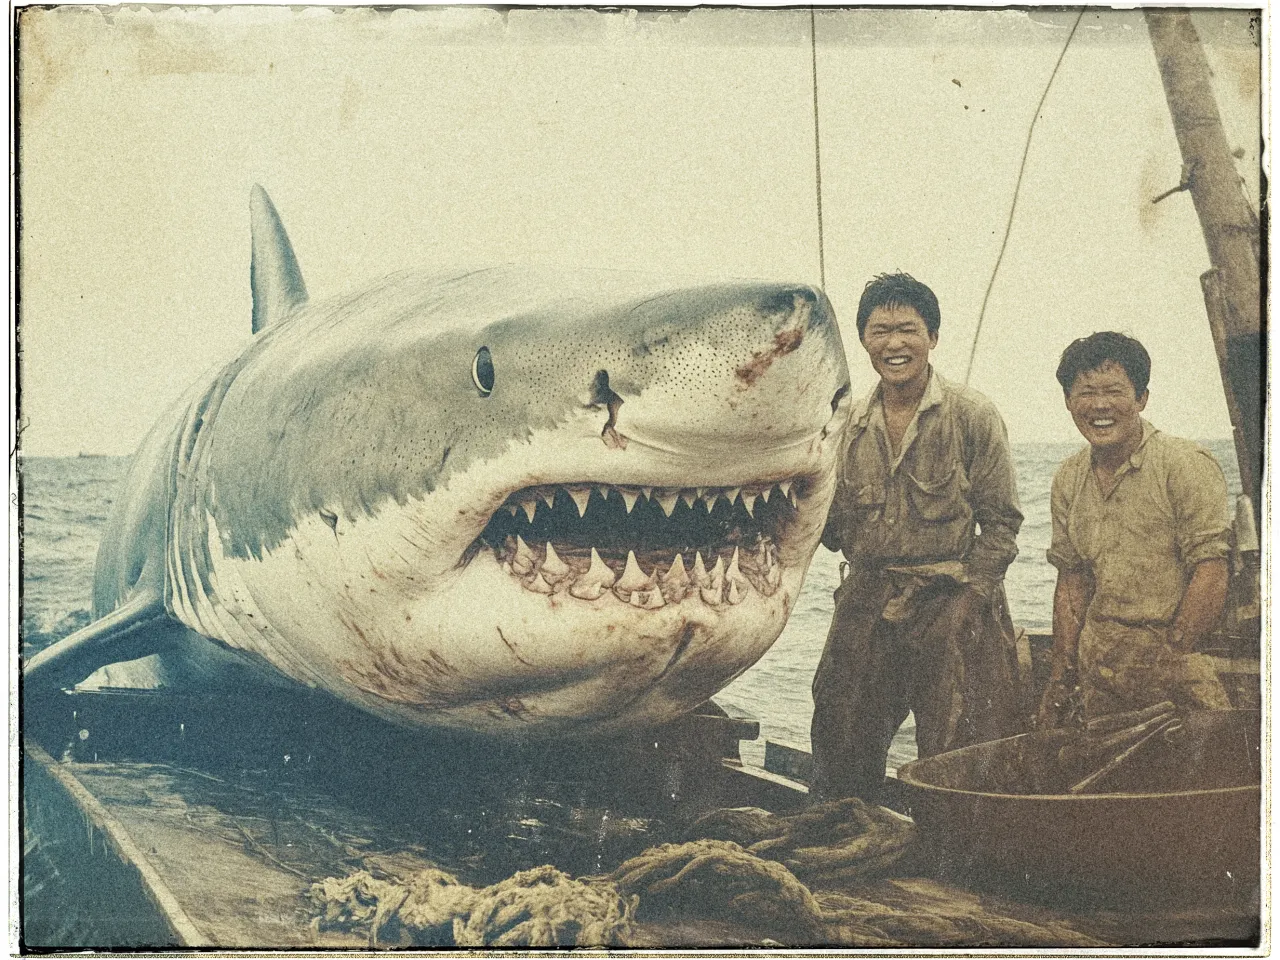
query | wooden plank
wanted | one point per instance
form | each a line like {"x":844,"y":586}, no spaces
{"x":185,"y":931}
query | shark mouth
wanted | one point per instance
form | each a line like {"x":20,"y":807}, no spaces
{"x":644,"y":546}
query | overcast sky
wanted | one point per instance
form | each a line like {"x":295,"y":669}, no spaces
{"x":683,"y":142}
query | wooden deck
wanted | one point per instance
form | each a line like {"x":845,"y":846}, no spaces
{"x":168,"y":842}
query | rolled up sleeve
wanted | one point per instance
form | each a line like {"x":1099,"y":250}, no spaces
{"x":993,"y":495}
{"x":1198,"y":492}
{"x":1062,"y":552}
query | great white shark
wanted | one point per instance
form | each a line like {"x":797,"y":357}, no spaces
{"x":499,"y":500}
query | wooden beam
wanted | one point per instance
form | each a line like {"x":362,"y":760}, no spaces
{"x":1233,"y":294}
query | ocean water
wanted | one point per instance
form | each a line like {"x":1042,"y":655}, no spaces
{"x":66,"y":502}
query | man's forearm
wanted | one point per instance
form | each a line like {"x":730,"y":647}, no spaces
{"x":992,"y":552}
{"x":1202,"y":602}
{"x":1070,"y":602}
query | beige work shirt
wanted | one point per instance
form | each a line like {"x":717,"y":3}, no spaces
{"x":1139,"y":543}
{"x":949,"y":495}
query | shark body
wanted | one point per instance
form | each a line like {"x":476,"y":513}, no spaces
{"x":498,"y":501}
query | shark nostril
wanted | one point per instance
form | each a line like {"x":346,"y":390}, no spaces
{"x":839,"y":395}
{"x":602,"y":394}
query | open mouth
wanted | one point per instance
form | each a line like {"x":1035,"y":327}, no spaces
{"x":1102,"y":424}
{"x":645,"y":546}
{"x":897,"y":361}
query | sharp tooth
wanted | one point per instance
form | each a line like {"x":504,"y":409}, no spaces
{"x":700,"y":570}
{"x":667,"y":500}
{"x":604,"y":493}
{"x":549,"y":498}
{"x":537,"y":584}
{"x":580,"y":497}
{"x":749,"y":501}
{"x":553,"y":568}
{"x":732,"y":495}
{"x":734,"y":580}
{"x":595,"y":581}
{"x":522,"y":563}
{"x":785,"y":487}
{"x":677,"y":576}
{"x":511,"y":508}
{"x":648,"y":599}
{"x":633,"y":578}
{"x":689,"y":498}
{"x":587,"y":591}
{"x":675,"y":582}
{"x":598,"y":572}
{"x":774,"y":575}
{"x":529,"y":506}
{"x":646,"y":492}
{"x":717,"y":573}
{"x":710,"y":595}
{"x":764,"y":494}
{"x":794,"y":500}
{"x":629,"y":498}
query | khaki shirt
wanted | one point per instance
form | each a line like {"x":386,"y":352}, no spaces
{"x":1139,"y":544}
{"x":1166,"y":513}
{"x":954,"y":473}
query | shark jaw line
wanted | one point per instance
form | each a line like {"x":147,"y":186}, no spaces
{"x":646,"y":546}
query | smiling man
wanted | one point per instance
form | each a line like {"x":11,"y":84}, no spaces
{"x":1140,"y":543}
{"x":926,"y":513}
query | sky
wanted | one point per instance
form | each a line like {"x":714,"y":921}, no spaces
{"x":682,"y":142}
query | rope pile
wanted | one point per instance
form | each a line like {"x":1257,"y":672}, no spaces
{"x":825,"y":845}
{"x":791,"y":878}
{"x":541,"y":907}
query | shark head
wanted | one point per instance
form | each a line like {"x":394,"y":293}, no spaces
{"x":514,"y":501}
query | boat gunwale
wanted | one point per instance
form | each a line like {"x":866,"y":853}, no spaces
{"x":921,"y":785}
{"x":905,"y":774}
{"x":117,"y":835}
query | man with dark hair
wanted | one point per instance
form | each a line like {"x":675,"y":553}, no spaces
{"x":926,"y":513}
{"x":1140,"y":543}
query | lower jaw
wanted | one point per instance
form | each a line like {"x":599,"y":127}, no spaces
{"x":541,"y":666}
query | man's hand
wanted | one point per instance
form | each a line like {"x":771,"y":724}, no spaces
{"x":1056,"y":702}
{"x":1201,"y":607}
{"x":968,"y":605}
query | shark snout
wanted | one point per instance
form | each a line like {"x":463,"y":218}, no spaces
{"x":766,"y":369}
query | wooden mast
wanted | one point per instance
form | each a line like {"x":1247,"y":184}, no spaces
{"x":1232,"y":287}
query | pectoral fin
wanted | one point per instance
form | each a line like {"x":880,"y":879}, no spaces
{"x":120,"y":635}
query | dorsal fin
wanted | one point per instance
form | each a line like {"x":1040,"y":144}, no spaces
{"x":273,"y":271}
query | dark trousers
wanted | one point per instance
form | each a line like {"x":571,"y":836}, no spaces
{"x":951,"y":659}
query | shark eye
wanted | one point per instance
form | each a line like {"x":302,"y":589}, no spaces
{"x":482,"y":371}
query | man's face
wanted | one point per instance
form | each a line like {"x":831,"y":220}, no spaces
{"x":1105,"y":407}
{"x":898,"y":343}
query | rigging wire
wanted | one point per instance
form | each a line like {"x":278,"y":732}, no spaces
{"x":973,"y":350}
{"x":817,"y":147}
